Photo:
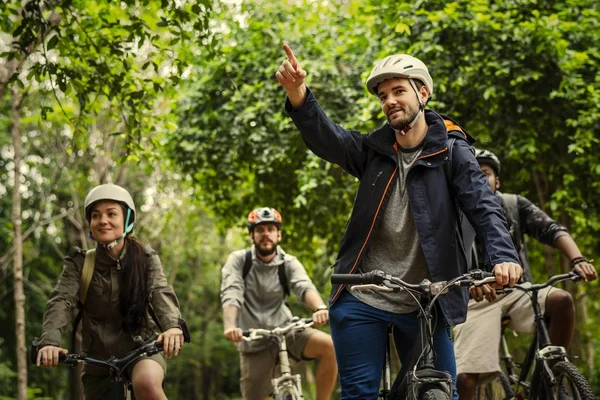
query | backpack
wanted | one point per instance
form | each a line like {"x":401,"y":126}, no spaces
{"x":87,"y":271}
{"x":464,"y":229}
{"x":281,"y":272}
{"x":511,"y":211}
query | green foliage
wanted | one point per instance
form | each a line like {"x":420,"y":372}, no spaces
{"x":83,"y":54}
{"x":100,"y":79}
{"x":237,"y":142}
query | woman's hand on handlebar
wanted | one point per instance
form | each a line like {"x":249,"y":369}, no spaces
{"x":320,"y":317}
{"x":48,"y":356}
{"x":478,"y":293}
{"x":172,"y":340}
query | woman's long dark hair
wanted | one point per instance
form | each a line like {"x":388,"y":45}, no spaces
{"x":133,"y":288}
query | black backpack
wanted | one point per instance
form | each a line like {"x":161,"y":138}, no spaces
{"x":465,"y":231}
{"x":280,"y":272}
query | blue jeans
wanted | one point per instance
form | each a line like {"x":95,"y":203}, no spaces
{"x":359,"y":334}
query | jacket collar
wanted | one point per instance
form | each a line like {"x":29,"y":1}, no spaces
{"x":383,"y":139}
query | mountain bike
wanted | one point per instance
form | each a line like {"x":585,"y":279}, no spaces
{"x":287,"y":386}
{"x":422,"y":381}
{"x":554,"y":376}
{"x":121,"y":386}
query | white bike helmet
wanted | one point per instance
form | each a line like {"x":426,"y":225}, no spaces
{"x":399,"y":66}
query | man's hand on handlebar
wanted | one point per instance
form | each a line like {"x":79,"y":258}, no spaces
{"x":478,"y":293}
{"x":48,"y":356}
{"x":234,"y":335}
{"x":320,"y":317}
{"x":586,"y":271}
{"x":507,"y":273}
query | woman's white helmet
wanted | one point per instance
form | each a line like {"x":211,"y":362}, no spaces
{"x":399,"y":66}
{"x":111,"y":192}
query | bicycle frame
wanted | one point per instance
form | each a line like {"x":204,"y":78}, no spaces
{"x":287,"y":381}
{"x":541,"y":352}
{"x":421,"y":373}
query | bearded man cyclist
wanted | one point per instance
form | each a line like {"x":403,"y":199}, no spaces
{"x":404,"y":219}
{"x":254,"y":287}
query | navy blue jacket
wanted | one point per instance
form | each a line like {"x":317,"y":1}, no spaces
{"x":373,"y":160}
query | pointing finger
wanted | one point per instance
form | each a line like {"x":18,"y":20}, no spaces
{"x":290,"y":54}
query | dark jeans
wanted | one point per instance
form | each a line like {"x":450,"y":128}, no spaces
{"x":359,"y":336}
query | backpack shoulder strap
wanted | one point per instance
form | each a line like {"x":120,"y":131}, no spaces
{"x":247,"y":264}
{"x":282,"y":272}
{"x":511,"y":208}
{"x":448,"y":170}
{"x":86,"y":274}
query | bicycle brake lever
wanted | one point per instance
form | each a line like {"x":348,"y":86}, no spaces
{"x":371,"y":286}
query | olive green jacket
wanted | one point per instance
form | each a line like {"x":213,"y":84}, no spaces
{"x":102,"y":328}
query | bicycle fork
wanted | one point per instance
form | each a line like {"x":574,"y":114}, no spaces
{"x":286,"y":373}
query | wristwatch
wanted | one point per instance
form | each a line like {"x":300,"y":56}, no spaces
{"x":321,"y":307}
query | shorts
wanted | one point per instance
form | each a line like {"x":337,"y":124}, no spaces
{"x":97,"y":387}
{"x":258,"y":368}
{"x":477,"y":340}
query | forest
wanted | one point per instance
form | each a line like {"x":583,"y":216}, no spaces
{"x":177,"y":101}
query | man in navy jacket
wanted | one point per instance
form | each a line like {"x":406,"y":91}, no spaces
{"x":404,"y":219}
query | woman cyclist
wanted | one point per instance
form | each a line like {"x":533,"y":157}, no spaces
{"x":128,"y":296}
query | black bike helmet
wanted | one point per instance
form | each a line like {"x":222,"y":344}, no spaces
{"x":488,"y":158}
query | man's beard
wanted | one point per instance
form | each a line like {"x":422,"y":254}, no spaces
{"x":264,"y":252}
{"x":410,"y":114}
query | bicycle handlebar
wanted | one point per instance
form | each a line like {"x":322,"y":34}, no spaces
{"x":147,"y":349}
{"x":553,"y":280}
{"x":295,"y":324}
{"x":379,"y":280}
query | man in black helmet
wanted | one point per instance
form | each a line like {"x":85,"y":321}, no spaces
{"x":254,"y":286}
{"x":477,"y":362}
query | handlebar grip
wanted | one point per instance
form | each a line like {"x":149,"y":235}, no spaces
{"x":246,"y":333}
{"x":351,"y":279}
{"x":33,"y":352}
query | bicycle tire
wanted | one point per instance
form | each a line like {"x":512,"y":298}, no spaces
{"x":571,"y":384}
{"x":435,"y":394}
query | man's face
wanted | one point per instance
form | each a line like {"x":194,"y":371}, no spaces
{"x":399,"y":101}
{"x":266,"y":237}
{"x":491,"y":175}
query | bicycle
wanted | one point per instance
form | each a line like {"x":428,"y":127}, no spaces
{"x":554,"y":376}
{"x":422,"y":381}
{"x":287,"y":386}
{"x":121,"y":386}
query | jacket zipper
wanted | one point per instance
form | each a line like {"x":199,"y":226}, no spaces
{"x":370,"y":230}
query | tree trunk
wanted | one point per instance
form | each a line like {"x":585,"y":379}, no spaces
{"x":18,"y":251}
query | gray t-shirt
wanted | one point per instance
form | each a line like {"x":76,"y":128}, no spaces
{"x":395,"y":247}
{"x":260,"y":296}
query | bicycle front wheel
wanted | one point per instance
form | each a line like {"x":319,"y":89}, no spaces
{"x":570,"y":383}
{"x":435,"y":394}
